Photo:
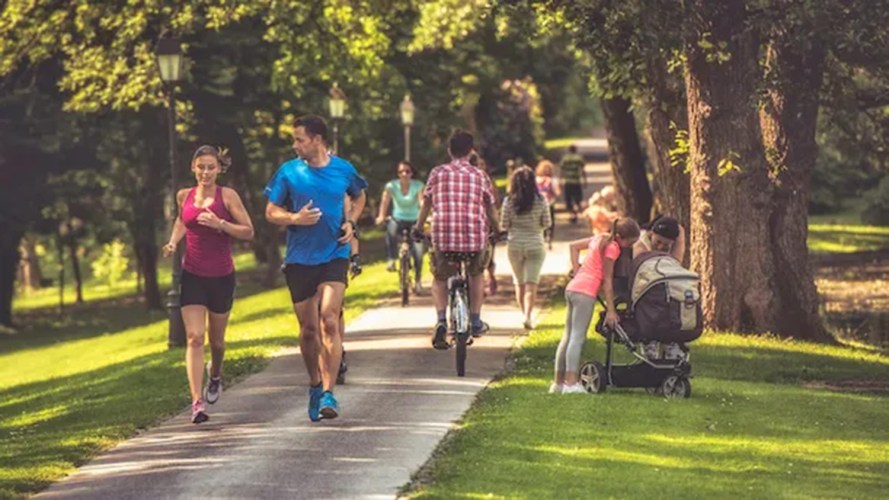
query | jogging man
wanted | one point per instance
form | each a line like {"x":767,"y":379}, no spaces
{"x":573,"y":179}
{"x":317,"y":260}
{"x":462,"y":201}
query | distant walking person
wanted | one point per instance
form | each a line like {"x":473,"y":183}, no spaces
{"x":209,"y":216}
{"x":403,"y":194}
{"x":525,"y":216}
{"x":548,"y":187}
{"x":317,"y":261}
{"x":594,"y":275}
{"x":573,"y":180}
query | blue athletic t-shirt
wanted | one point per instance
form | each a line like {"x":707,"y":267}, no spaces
{"x":296,"y":183}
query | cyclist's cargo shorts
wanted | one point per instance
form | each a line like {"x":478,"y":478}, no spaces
{"x":442,"y":269}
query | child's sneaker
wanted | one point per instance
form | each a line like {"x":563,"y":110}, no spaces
{"x":555,"y":388}
{"x":573,"y":389}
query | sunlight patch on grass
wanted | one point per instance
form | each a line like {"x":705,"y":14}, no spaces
{"x":840,"y":238}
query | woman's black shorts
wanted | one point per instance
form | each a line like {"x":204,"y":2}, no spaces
{"x":216,"y":294}
{"x":303,"y":280}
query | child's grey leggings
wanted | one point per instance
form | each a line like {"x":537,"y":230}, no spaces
{"x":570,"y":350}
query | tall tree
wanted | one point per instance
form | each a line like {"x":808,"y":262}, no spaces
{"x":627,"y":160}
{"x":731,"y":195}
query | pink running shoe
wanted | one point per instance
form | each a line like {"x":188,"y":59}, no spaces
{"x":198,"y":412}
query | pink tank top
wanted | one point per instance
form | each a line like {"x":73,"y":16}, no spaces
{"x":208,"y":252}
{"x":589,"y":277}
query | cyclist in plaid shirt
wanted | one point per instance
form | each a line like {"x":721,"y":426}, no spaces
{"x":464,"y":211}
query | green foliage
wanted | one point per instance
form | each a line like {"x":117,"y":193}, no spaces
{"x":680,"y":150}
{"x":728,"y":164}
{"x":112,"y":263}
{"x":876,"y":209}
{"x":514,"y":127}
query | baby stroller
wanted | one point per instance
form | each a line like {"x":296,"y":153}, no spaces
{"x":659,"y":301}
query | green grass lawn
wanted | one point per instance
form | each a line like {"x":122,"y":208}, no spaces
{"x":844,"y":232}
{"x":752,"y":429}
{"x":846,"y":238}
{"x":71,"y":387}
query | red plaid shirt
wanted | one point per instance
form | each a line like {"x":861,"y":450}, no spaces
{"x":460,"y":194}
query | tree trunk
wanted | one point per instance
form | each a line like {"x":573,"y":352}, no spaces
{"x":71,"y":243}
{"x":668,"y":115}
{"x":147,"y":254}
{"x":60,"y":247}
{"x":788,"y":123}
{"x":9,"y":261}
{"x":627,"y":162}
{"x":31,"y":275}
{"x":730,"y":199}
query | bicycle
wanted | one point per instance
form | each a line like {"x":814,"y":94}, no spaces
{"x":404,"y":264}
{"x":460,"y":326}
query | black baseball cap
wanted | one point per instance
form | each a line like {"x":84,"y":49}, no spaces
{"x":667,"y":227}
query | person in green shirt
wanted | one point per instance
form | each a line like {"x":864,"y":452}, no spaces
{"x":403,"y":194}
{"x":573,"y":181}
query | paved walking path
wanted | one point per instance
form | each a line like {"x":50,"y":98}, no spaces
{"x":400,"y":399}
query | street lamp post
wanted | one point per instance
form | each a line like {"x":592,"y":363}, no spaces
{"x":407,"y":118}
{"x":337,"y":110}
{"x":169,"y":65}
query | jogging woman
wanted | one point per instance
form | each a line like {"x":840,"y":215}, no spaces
{"x":209,"y":216}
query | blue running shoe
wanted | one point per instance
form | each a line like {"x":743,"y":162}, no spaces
{"x":329,"y":406}
{"x":315,"y":393}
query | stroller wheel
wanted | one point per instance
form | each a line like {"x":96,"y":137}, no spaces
{"x":592,"y":377}
{"x":676,"y":387}
{"x":654,"y":391}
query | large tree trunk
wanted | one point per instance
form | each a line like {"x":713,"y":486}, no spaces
{"x":9,"y":261}
{"x":627,"y":162}
{"x":668,"y":115}
{"x":789,"y":121}
{"x":730,"y":199}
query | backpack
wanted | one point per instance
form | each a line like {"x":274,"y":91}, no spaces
{"x":665,"y":299}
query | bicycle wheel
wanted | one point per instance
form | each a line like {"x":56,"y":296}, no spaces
{"x":405,"y":278}
{"x":460,"y":315}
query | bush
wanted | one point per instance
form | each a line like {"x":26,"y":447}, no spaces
{"x":876,"y":208}
{"x":112,"y":264}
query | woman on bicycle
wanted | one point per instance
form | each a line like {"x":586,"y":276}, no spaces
{"x":403,"y":194}
{"x":525,"y":216}
{"x":596,"y":272}
{"x":209,"y":216}
{"x":548,"y":187}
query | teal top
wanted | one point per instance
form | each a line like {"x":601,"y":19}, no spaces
{"x":405,"y":207}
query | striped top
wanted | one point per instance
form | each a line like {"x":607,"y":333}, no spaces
{"x":572,"y":164}
{"x":525,"y":230}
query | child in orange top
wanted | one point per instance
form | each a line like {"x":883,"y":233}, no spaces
{"x":597,"y":270}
